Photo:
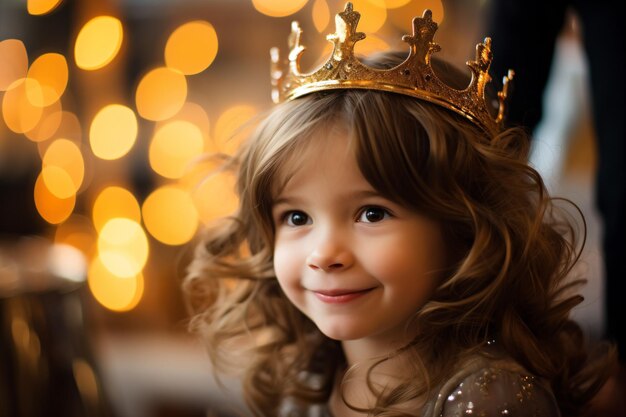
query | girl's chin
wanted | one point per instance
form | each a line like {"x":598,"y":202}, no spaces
{"x":342,"y":333}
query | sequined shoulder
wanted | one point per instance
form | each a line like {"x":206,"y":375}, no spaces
{"x":493,"y":391}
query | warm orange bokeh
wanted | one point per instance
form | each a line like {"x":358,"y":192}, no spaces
{"x":192,"y":47}
{"x":98,"y":42}
{"x":161,"y":94}
{"x":170,"y":215}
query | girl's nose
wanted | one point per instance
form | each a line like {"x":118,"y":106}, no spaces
{"x":330,"y":256}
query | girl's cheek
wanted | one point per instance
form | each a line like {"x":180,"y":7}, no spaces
{"x":284,"y":262}
{"x":383,"y":261}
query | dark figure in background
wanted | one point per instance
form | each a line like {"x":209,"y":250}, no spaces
{"x":524,"y":35}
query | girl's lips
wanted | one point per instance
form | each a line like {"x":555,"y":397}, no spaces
{"x":340,"y":296}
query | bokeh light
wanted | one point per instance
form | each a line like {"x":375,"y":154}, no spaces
{"x":98,"y":42}
{"x":112,"y":202}
{"x":48,"y":124}
{"x":402,"y":15}
{"x":70,"y":127}
{"x":192,"y":47}
{"x":50,"y":70}
{"x":19,"y":111}
{"x":394,"y":4}
{"x":123,"y":247}
{"x":370,"y":45}
{"x":230,"y":128}
{"x":77,"y":231}
{"x":113,"y":292}
{"x":170,"y":215}
{"x":174,"y":146}
{"x":58,"y":181}
{"x":14,"y":60}
{"x":86,"y":380}
{"x":195,"y":113}
{"x":161,"y":93}
{"x":63,"y":168}
{"x":52,"y":209}
{"x":39,"y":7}
{"x":68,"y":262}
{"x":278,"y":8}
{"x":113,"y":131}
{"x":321,"y":15}
{"x":215,"y":196}
{"x":373,"y":14}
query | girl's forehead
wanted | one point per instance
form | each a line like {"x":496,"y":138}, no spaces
{"x":310,"y":150}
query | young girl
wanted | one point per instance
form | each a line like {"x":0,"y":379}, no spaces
{"x":393,"y":254}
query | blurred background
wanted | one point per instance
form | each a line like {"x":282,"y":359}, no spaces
{"x":107,"y":107}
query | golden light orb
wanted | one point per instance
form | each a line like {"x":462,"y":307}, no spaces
{"x":215,"y":197}
{"x":170,"y":215}
{"x":58,"y":181}
{"x":113,"y":292}
{"x":161,"y":93}
{"x":14,"y":60}
{"x":192,"y":47}
{"x":401,"y":16}
{"x":18,"y":110}
{"x":278,"y":8}
{"x":41,"y":7}
{"x":70,"y":127}
{"x":50,"y":70}
{"x":173,"y":148}
{"x":373,"y":15}
{"x":230,"y":127}
{"x":371,"y":44}
{"x":194,"y":113}
{"x":321,"y":15}
{"x":123,"y":247}
{"x":98,"y":42}
{"x":394,"y":4}
{"x":63,"y":168}
{"x":52,"y":209}
{"x":48,"y":124}
{"x":113,"y":132}
{"x":115,"y":202}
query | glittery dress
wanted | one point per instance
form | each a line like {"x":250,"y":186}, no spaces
{"x":490,"y":388}
{"x":482,"y":387}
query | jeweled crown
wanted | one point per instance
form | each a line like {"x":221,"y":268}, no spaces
{"x":414,"y":76}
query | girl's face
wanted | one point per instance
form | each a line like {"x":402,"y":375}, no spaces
{"x":355,"y":263}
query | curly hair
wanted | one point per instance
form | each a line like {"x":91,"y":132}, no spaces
{"x":505,"y":236}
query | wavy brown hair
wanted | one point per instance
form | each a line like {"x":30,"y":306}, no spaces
{"x":511,"y":249}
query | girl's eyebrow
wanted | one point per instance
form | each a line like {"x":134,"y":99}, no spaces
{"x":286,"y":200}
{"x":366,"y":193}
{"x":363,"y":193}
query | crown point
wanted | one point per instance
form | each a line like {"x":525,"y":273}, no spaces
{"x":503,"y":96}
{"x":414,"y":77}
{"x":274,"y":54}
{"x":294,"y":36}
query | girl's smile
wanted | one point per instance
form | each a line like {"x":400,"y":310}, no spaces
{"x":356,"y":263}
{"x":341,"y":296}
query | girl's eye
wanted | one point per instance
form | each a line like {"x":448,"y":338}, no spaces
{"x":297,"y":218}
{"x":373,"y":215}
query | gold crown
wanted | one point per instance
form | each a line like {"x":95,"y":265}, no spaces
{"x":414,"y":77}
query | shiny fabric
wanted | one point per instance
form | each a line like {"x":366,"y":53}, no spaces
{"x":482,"y":387}
{"x":493,"y":388}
